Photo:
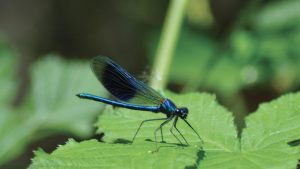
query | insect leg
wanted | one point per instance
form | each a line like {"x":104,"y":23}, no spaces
{"x":144,"y":122}
{"x":175,"y":123}
{"x":171,"y":130}
{"x":162,"y":136}
{"x":160,"y":127}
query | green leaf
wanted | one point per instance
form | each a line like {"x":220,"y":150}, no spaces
{"x":54,"y":85}
{"x":204,"y":112}
{"x":121,"y":124}
{"x":263,"y":143}
{"x":273,"y":123}
{"x":51,"y":106}
{"x":271,"y":128}
{"x":7,"y":72}
{"x":93,"y":154}
{"x":277,"y":16}
{"x":15,"y":133}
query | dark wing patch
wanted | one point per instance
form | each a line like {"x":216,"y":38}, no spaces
{"x":123,"y":85}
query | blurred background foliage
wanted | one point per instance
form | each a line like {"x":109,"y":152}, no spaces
{"x":246,"y":52}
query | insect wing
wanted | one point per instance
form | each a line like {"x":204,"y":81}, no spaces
{"x":123,"y":85}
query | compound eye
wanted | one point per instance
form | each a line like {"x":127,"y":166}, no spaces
{"x":185,"y":110}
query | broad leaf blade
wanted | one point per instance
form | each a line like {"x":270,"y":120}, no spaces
{"x":210,"y":120}
{"x":15,"y":133}
{"x":8,"y":83}
{"x":55,"y":85}
{"x":15,"y":129}
{"x":264,"y":140}
{"x":221,"y":149}
{"x":52,"y":105}
{"x":274,"y":123}
{"x":93,"y":154}
{"x":270,"y":129}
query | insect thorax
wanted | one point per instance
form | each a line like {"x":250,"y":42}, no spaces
{"x":168,"y":107}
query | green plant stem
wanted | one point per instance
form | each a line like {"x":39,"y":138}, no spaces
{"x":167,"y":43}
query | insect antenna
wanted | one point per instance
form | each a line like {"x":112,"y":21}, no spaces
{"x":193,"y":129}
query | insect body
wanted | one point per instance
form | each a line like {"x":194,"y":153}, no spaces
{"x":133,"y":94}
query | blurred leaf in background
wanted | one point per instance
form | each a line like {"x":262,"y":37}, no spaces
{"x":249,"y":59}
{"x":7,"y":83}
{"x":54,"y":85}
{"x":261,"y":51}
{"x":276,"y":16}
{"x":51,"y":106}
